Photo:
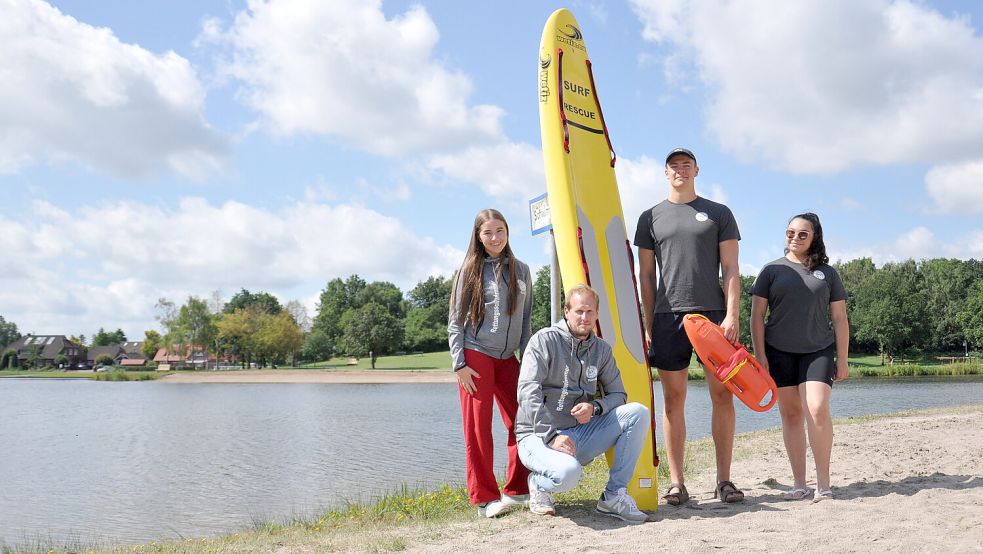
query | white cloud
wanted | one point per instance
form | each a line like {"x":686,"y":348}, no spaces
{"x":341,"y":68}
{"x":73,"y":92}
{"x":815,"y":86}
{"x":509,"y":172}
{"x":848,"y":203}
{"x":194,"y":248}
{"x":919,"y":243}
{"x":957,"y":188}
{"x":717,"y":193}
{"x":642,"y":184}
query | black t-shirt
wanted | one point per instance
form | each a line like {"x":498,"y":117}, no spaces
{"x":686,"y":240}
{"x":798,"y":304}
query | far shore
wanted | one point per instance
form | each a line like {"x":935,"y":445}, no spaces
{"x":355,"y":376}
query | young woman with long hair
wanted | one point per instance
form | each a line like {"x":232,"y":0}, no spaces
{"x":489,"y":320}
{"x":802,"y":295}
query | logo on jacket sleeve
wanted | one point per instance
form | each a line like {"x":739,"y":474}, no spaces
{"x":819,"y":275}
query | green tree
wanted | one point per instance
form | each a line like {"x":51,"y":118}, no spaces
{"x":9,"y":359}
{"x":891,"y":310}
{"x":970,"y":318}
{"x":426,"y":328}
{"x":278,"y":337}
{"x":337,"y":298}
{"x":237,"y":333}
{"x":167,"y":314}
{"x":33,"y":358}
{"x":104,"y":359}
{"x":195,"y":324}
{"x":855,"y":275}
{"x":152,"y":342}
{"x":317,"y":346}
{"x":747,"y":281}
{"x":435,"y":291}
{"x":947,"y":284}
{"x":384,"y":294}
{"x":371,"y":330}
{"x":104,"y":338}
{"x":8,"y":332}
{"x":244,"y":299}
{"x":541,"y":300}
{"x":426,"y":319}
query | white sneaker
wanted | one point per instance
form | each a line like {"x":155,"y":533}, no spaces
{"x":496,"y":508}
{"x":822,"y":495}
{"x":540,"y":502}
{"x":622,"y":507}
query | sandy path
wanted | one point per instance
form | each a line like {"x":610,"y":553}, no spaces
{"x":902,"y":484}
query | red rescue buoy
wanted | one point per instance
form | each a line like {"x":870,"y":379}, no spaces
{"x":732,"y":365}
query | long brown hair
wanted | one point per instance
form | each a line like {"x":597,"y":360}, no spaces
{"x":816,"y":254}
{"x":469,"y":276}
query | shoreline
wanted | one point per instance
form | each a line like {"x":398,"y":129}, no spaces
{"x":908,"y":481}
{"x":314,"y":376}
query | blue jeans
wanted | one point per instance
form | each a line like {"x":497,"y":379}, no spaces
{"x":624,"y":428}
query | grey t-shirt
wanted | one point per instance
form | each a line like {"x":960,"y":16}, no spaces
{"x":686,"y":240}
{"x":798,"y":302}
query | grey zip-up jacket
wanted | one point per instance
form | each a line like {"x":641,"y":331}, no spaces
{"x":558,"y":372}
{"x":500,"y":334}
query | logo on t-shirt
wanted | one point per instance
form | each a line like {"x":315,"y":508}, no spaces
{"x":702,"y":216}
{"x":819,"y":275}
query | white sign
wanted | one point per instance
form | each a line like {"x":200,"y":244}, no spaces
{"x":539,"y":215}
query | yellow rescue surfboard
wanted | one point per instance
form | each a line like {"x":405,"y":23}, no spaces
{"x":588,"y":225}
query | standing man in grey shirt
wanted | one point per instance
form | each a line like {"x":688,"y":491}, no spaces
{"x":691,"y":241}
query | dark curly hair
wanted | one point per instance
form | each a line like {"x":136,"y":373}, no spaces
{"x":816,"y":254}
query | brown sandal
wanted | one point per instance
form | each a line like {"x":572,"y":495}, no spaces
{"x":676,"y":498}
{"x":734,"y":494}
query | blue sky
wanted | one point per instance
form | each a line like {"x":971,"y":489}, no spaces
{"x":165,"y":149}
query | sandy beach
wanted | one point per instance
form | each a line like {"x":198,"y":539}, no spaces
{"x":374,"y":376}
{"x":902,"y":484}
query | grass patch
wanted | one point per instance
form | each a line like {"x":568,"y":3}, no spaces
{"x":46,"y":374}
{"x":117,"y":374}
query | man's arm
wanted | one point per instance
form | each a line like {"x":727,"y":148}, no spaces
{"x":648,"y":285}
{"x":532,"y":407}
{"x":732,"y":289}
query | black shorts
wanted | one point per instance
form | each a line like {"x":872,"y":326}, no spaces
{"x":670,"y":349}
{"x":789,"y":369}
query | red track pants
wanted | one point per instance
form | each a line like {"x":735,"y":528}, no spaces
{"x":498,"y":382}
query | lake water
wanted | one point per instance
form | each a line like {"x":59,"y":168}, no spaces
{"x":131,"y":462}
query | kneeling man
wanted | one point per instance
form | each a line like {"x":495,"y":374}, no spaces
{"x":564,"y":422}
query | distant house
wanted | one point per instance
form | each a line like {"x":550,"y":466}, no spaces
{"x":112,"y":350}
{"x":133,"y":354}
{"x":44,"y":349}
{"x":127,"y":354}
{"x":133,"y":349}
{"x":189,"y":355}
